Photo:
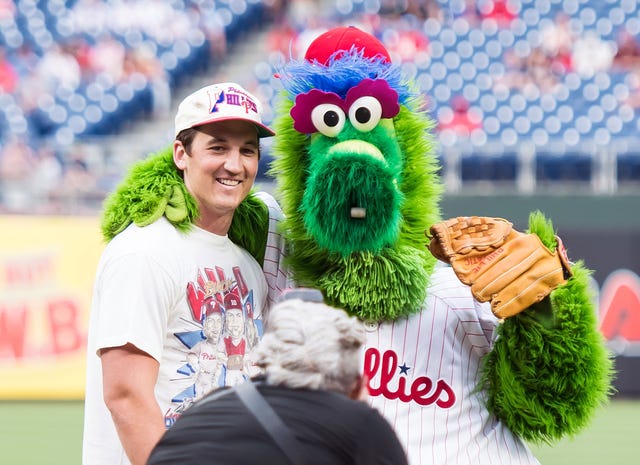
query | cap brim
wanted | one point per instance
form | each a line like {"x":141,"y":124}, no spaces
{"x":263,"y":131}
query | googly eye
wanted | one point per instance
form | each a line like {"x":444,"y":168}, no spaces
{"x":328,"y":119}
{"x":365,"y":113}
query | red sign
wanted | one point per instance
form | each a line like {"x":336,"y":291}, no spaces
{"x":620,"y":306}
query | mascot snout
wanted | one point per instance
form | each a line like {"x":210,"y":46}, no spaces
{"x":352,"y":201}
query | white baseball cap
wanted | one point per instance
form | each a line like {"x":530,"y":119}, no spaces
{"x":220,"y":102}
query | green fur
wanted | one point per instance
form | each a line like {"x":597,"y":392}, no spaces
{"x":395,"y":279}
{"x":549,"y":369}
{"x":543,"y":228}
{"x":250,"y":227}
{"x":314,"y":266}
{"x":420,"y":180}
{"x":154,"y":187}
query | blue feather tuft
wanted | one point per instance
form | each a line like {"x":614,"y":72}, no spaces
{"x":343,"y":72}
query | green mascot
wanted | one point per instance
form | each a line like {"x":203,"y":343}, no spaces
{"x":468,"y":356}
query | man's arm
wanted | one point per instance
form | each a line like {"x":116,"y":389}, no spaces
{"x":129,"y":377}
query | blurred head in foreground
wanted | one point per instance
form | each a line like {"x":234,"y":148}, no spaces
{"x":308,"y":344}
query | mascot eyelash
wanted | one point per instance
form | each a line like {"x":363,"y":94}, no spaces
{"x":325,"y":112}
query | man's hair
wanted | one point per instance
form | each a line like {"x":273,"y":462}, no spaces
{"x":186,"y":136}
{"x":311,"y":345}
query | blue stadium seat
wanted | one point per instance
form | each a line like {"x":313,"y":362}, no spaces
{"x":563,"y":167}
{"x":41,"y":23}
{"x":628,"y":167}
{"x":489,"y":167}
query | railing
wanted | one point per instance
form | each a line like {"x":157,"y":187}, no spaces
{"x":553,"y":168}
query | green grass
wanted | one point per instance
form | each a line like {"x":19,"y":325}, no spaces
{"x":50,"y":433}
{"x":613,"y":438}
{"x":41,"y":433}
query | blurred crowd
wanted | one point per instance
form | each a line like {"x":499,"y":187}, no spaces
{"x":95,"y":45}
{"x":561,"y":47}
{"x":107,"y":42}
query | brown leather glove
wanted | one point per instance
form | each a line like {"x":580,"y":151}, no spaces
{"x":510,"y":269}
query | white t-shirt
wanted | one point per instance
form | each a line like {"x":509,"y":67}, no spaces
{"x":424,"y":371}
{"x":156,"y":288}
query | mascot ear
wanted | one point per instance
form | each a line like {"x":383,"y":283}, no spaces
{"x":337,"y":41}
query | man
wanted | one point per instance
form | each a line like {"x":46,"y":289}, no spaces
{"x":160,"y":267}
{"x":311,"y":354}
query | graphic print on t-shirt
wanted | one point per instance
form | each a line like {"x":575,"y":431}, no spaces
{"x":218,"y":354}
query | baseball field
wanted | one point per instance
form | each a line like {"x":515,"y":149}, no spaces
{"x":49,"y":433}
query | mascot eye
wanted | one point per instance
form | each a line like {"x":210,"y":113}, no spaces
{"x":365,"y":113}
{"x":328,"y":118}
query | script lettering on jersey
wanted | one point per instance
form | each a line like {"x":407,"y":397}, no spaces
{"x":422,"y":390}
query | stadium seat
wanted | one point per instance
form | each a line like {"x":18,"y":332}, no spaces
{"x":563,"y":167}
{"x":628,"y":167}
{"x":489,"y":167}
{"x":465,"y":57}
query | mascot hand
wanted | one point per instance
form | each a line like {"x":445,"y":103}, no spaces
{"x":510,"y":269}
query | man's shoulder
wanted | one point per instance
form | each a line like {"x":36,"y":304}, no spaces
{"x":161,"y":225}
{"x":443,"y":276}
{"x":157,"y":237}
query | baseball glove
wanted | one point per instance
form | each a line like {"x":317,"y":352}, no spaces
{"x":510,"y":269}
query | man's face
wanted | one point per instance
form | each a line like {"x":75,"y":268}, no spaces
{"x":219,"y":170}
{"x":235,"y":322}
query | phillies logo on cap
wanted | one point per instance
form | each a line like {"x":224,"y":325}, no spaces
{"x":232,"y":98}
{"x":219,"y":98}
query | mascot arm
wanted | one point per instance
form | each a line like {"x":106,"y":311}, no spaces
{"x":549,"y":369}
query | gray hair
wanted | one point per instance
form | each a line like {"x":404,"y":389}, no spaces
{"x":311,"y":345}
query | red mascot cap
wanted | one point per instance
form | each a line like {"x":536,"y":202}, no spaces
{"x":343,"y":38}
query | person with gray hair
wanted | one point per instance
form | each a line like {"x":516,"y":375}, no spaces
{"x":320,"y":351}
{"x":311,"y":358}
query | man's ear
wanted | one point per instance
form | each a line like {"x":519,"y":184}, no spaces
{"x":179,"y":154}
{"x":360,"y":389}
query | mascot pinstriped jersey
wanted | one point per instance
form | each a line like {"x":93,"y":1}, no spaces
{"x":358,"y":184}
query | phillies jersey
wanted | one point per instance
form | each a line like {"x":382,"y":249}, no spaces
{"x":424,"y":371}
{"x":273,"y":267}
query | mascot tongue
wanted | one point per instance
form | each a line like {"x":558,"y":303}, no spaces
{"x":356,"y":175}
